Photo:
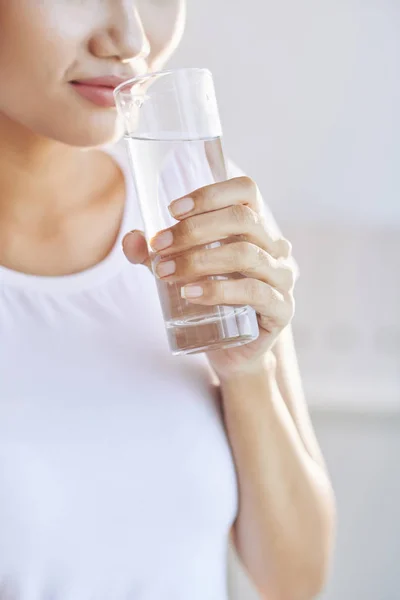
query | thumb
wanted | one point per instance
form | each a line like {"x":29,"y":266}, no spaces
{"x":135,"y":248}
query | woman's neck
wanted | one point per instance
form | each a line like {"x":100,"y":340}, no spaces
{"x":60,"y":207}
{"x":37,"y":174}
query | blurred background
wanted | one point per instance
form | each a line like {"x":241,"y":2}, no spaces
{"x":309,"y":94}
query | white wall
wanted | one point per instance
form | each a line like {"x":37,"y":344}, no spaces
{"x":363,"y":455}
{"x":309,"y":94}
{"x":310,"y":100}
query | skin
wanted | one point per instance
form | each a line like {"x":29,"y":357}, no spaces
{"x":44,"y":123}
{"x":284,"y":528}
{"x":70,"y":40}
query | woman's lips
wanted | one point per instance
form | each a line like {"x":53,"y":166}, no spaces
{"x":99,"y":90}
{"x":101,"y":95}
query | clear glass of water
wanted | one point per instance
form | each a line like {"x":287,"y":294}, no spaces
{"x":173,"y":134}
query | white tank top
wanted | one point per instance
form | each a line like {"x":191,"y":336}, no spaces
{"x":116,"y":476}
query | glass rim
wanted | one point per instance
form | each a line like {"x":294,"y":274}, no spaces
{"x":133,"y":80}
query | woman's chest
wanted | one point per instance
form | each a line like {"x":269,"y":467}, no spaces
{"x":105,"y":436}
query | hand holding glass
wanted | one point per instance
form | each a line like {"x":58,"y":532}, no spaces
{"x":173,"y":133}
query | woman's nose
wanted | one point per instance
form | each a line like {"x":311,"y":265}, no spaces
{"x":123,"y":37}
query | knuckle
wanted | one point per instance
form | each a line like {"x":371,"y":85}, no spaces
{"x":237,"y":213}
{"x":188,"y":264}
{"x":243,"y":215}
{"x":248,"y":184}
{"x":257,"y":258}
{"x":200,"y":262}
{"x":182,"y":265}
{"x":198,"y":195}
{"x":219,"y":293}
{"x":284,"y":248}
{"x":205,"y":196}
{"x":241,"y":254}
{"x":269,"y":297}
{"x":285,"y":313}
{"x":287,"y":278}
{"x":189,"y":230}
{"x":277,"y":306}
{"x":252,"y":288}
{"x":210,"y":194}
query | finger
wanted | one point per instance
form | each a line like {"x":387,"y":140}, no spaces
{"x":238,"y":257}
{"x":268,"y":302}
{"x":135,"y":248}
{"x":239,"y":191}
{"x":236,"y":220}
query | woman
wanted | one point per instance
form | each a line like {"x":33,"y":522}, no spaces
{"x":124,"y":470}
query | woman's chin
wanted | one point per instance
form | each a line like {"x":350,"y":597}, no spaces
{"x":96,"y":130}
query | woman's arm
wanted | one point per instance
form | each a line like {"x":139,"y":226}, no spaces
{"x":285,"y":526}
{"x":284,"y":529}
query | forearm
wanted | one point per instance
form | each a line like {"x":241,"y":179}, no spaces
{"x":284,"y":527}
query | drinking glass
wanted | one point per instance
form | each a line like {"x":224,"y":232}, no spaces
{"x":173,"y":134}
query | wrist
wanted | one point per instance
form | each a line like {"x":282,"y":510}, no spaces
{"x":261,"y":370}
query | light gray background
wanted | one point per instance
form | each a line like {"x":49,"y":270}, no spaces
{"x":309,"y":94}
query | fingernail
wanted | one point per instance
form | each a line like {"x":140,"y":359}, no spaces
{"x":192,"y":291}
{"x":127,"y":235}
{"x":162,"y":240}
{"x":181,"y":207}
{"x":166,"y":268}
